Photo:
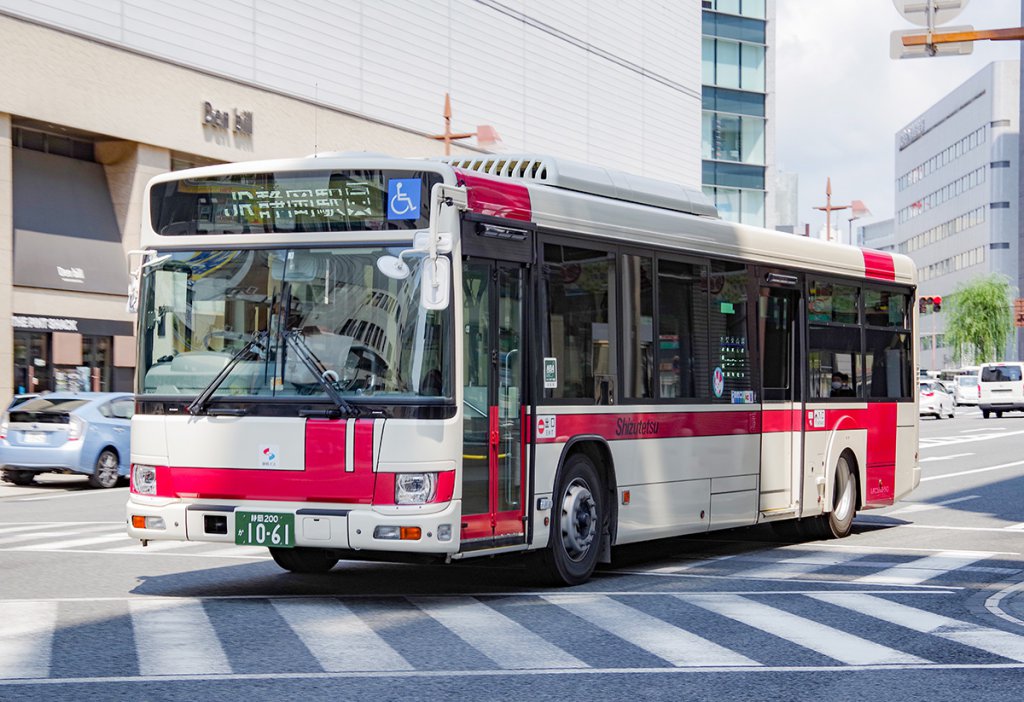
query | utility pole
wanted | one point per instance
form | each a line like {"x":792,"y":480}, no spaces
{"x":829,"y":207}
{"x":485,"y":134}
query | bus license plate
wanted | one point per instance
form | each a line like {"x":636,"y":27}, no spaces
{"x":265,"y":529}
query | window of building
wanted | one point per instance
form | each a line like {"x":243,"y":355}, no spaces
{"x":52,"y":143}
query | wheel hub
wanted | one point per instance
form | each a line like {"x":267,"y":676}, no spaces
{"x":579,"y":520}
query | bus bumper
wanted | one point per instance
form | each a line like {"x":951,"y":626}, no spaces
{"x":332,"y":527}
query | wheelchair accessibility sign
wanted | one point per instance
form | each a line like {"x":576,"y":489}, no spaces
{"x":404,"y":198}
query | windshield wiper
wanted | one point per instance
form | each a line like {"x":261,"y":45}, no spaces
{"x":258,"y":341}
{"x":327,"y":378}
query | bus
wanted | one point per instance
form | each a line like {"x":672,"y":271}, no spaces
{"x":363,"y":357}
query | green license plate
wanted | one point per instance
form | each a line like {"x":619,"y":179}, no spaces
{"x":265,"y":529}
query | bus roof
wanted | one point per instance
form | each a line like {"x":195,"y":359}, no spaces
{"x":558,"y":194}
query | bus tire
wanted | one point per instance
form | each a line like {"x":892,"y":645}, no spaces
{"x":984,"y":414}
{"x":577,"y":523}
{"x":303,"y":560}
{"x":839,"y":522}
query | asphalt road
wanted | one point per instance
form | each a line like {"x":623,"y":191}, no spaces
{"x":924,"y":601}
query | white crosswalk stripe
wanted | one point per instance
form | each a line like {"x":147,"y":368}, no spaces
{"x":677,"y":646}
{"x":1001,"y":643}
{"x":337,"y":637}
{"x":921,"y":569}
{"x":26,"y":638}
{"x":506,"y":642}
{"x":176,"y":638}
{"x":826,"y":640}
{"x":800,"y":565}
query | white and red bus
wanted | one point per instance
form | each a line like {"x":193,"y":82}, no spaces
{"x":358,"y":356}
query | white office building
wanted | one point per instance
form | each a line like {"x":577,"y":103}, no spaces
{"x":957,"y":207}
{"x":98,"y":97}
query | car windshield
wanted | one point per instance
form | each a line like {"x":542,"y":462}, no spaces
{"x":967,"y":381}
{"x":269,"y":318}
{"x":1000,"y":374}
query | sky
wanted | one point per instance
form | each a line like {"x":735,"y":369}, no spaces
{"x":840,"y":99}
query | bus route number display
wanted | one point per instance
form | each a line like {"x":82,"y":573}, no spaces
{"x":265,"y":529}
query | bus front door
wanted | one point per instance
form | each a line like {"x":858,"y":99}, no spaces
{"x":781,"y":421}
{"x":493,"y":464}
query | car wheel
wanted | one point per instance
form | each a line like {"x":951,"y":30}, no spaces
{"x":984,"y":414}
{"x":20,"y":477}
{"x":303,"y":560}
{"x":104,"y":474}
{"x":999,"y":415}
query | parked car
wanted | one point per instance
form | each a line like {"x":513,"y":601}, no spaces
{"x":965,"y":390}
{"x":1001,"y":388}
{"x":64,"y":432}
{"x":934,"y":400}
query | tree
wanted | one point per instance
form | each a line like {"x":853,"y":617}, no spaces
{"x":980,"y":322}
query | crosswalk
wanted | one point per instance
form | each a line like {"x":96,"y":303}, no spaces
{"x":545,"y":632}
{"x":110,"y":537}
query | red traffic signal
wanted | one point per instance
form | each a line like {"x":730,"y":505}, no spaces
{"x":926,"y":304}
{"x":936,"y":303}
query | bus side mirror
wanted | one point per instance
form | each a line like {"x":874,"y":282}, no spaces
{"x":436,"y":283}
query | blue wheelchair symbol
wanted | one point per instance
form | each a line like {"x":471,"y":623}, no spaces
{"x":404,"y":198}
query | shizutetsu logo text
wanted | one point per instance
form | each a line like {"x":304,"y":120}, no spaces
{"x":268,"y":455}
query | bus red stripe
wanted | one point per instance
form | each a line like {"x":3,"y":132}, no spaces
{"x":878,"y":264}
{"x":496,"y":197}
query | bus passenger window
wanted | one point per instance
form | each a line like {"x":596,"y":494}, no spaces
{"x":579,"y":290}
{"x":682,"y":350}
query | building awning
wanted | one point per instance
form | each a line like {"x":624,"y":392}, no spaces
{"x":66,"y":235}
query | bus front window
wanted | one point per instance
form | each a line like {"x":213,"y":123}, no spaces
{"x":200,"y":308}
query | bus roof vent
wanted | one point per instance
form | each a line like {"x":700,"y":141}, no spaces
{"x":587,"y":178}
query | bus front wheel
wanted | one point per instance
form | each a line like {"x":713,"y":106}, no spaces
{"x":303,"y":560}
{"x":577,"y":523}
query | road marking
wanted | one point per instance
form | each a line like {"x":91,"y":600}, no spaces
{"x":944,"y":458}
{"x":946,"y":476}
{"x":26,"y":639}
{"x":1001,"y":643}
{"x":993,"y":603}
{"x":836,"y":644}
{"x":337,"y":637}
{"x":77,"y":493}
{"x":666,"y":641}
{"x":547,"y":672}
{"x":175,"y":638}
{"x":800,"y":565}
{"x":74,"y":543}
{"x":917,"y":571}
{"x":922,"y":506}
{"x":506,"y":642}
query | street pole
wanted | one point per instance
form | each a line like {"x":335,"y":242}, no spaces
{"x":828,"y":208}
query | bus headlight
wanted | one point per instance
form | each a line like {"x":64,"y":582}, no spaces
{"x":415,"y":488}
{"x":143,"y":479}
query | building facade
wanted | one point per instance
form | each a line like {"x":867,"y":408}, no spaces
{"x":957,"y":194}
{"x":737,"y":142}
{"x":96,"y":100}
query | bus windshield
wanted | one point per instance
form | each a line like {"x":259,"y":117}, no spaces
{"x":201,"y":312}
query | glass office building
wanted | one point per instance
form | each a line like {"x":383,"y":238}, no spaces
{"x":737,"y":77}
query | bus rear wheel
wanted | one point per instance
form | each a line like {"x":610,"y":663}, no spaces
{"x":839,"y":522}
{"x":303,"y":560}
{"x":577,"y":523}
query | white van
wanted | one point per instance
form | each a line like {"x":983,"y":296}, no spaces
{"x":1001,"y":388}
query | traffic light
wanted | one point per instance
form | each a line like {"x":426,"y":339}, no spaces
{"x":922,"y":304}
{"x":936,"y":304}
